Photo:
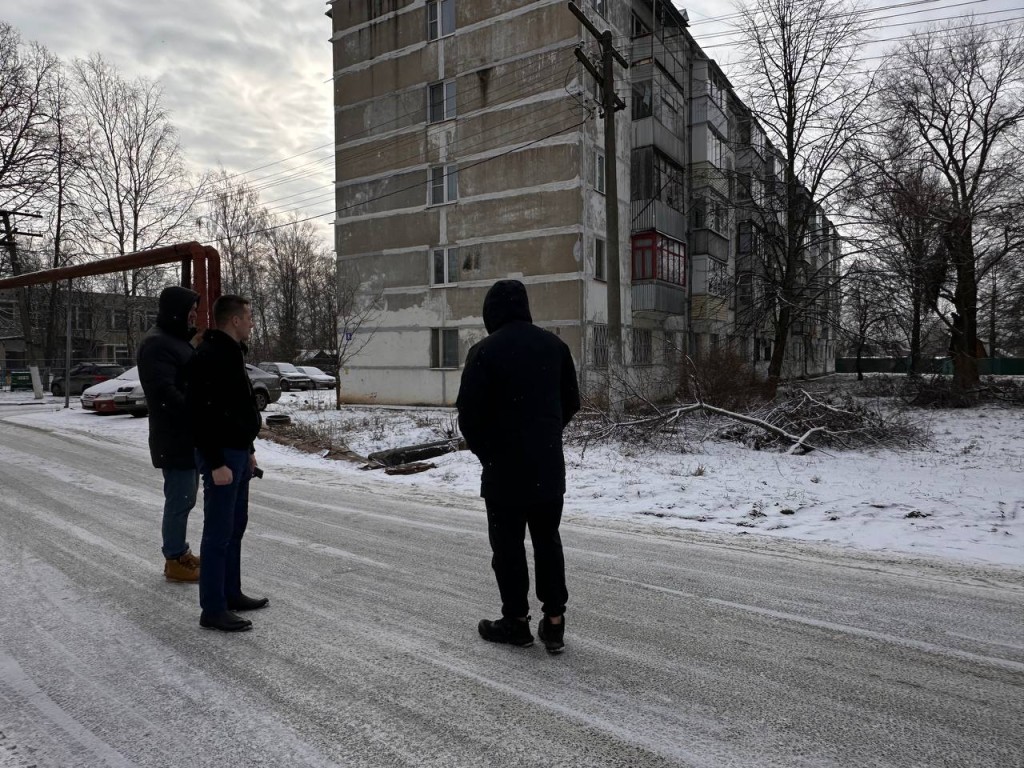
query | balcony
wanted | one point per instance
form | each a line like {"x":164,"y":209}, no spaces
{"x":657,"y":297}
{"x":649,"y":131}
{"x":647,"y":215}
{"x":710,"y":242}
{"x":703,"y":109}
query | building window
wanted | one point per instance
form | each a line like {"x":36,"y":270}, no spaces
{"x":596,"y":93}
{"x":657,"y":257}
{"x":637,"y":28}
{"x":643,"y":99}
{"x":745,"y":289}
{"x":444,"y":266}
{"x":444,"y":348}
{"x":444,"y":184}
{"x":643,"y":353}
{"x":440,"y":18}
{"x":599,"y":171}
{"x":709,"y":212}
{"x":7,"y":314}
{"x":716,"y":149}
{"x":147,"y":320}
{"x":441,"y":101}
{"x":599,"y":259}
{"x":116,"y":353}
{"x":718,"y":278}
{"x":669,"y":178}
{"x":119,"y":319}
{"x":599,"y":346}
{"x":81,"y":319}
{"x":747,"y":238}
{"x":598,"y":5}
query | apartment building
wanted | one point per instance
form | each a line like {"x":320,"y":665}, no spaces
{"x":469,"y":145}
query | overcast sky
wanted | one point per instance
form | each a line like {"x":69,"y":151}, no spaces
{"x":248,"y":81}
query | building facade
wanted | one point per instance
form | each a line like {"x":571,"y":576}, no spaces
{"x":470,"y":148}
{"x":104,"y":328}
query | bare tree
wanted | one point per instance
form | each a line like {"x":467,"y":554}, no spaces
{"x":319,"y":324}
{"x":238,"y":224}
{"x":66,"y":217}
{"x":958,"y":92}
{"x":899,"y":196}
{"x":360,"y":304}
{"x":867,"y":310}
{"x":797,"y":77}
{"x":26,"y":151}
{"x":26,"y":120}
{"x":134,"y":175}
{"x":295,"y":250}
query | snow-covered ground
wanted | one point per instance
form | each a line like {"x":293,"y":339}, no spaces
{"x":961,"y":498}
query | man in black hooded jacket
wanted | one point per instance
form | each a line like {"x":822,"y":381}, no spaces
{"x":518,"y":392}
{"x":162,"y":359}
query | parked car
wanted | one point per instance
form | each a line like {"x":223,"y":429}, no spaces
{"x":320,"y":379}
{"x":85,"y":375}
{"x":118,"y":395}
{"x":266,"y":386}
{"x":291,"y":377}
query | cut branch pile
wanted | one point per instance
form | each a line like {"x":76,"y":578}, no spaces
{"x":801,"y":423}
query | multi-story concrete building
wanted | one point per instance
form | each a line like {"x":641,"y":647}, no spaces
{"x":469,"y":145}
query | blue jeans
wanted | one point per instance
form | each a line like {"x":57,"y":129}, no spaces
{"x":225,"y":515}
{"x":180,"y":487}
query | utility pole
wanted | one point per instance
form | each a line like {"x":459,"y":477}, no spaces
{"x":610,"y":104}
{"x":9,"y":242}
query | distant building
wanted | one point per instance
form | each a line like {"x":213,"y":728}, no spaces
{"x":103,"y":327}
{"x":469,"y":148}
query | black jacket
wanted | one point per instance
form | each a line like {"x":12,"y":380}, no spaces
{"x":221,"y":405}
{"x":162,"y":359}
{"x":518,"y":392}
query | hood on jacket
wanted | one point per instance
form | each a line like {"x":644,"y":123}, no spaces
{"x":175,"y":304}
{"x":505,"y":302}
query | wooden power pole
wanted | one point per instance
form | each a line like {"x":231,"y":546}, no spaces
{"x":604,"y":74}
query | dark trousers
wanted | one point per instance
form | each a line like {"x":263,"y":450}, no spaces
{"x":225,"y":515}
{"x":506,"y":527}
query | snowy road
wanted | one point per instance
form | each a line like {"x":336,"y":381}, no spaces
{"x":682,"y":650}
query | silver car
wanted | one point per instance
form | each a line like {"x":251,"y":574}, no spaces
{"x":320,"y":379}
{"x":291,"y":377}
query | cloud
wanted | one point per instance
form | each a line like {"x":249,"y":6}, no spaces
{"x":244,"y":80}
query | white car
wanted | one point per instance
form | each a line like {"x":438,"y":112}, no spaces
{"x":320,"y":379}
{"x":121,"y":395}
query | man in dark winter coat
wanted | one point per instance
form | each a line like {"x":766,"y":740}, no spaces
{"x":162,"y":359}
{"x":225,"y":421}
{"x":518,"y":393}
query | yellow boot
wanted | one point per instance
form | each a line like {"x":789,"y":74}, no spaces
{"x":183,"y":568}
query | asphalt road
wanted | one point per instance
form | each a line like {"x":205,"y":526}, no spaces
{"x":682,"y":650}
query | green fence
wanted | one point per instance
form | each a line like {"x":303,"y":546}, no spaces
{"x":991,"y":366}
{"x":20,"y":380}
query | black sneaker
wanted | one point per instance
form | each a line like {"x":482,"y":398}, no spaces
{"x":508,"y":631}
{"x":551,"y":634}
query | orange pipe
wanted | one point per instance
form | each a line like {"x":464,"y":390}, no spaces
{"x":153,"y":257}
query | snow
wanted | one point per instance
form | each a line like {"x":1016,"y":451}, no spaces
{"x":961,"y":498}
